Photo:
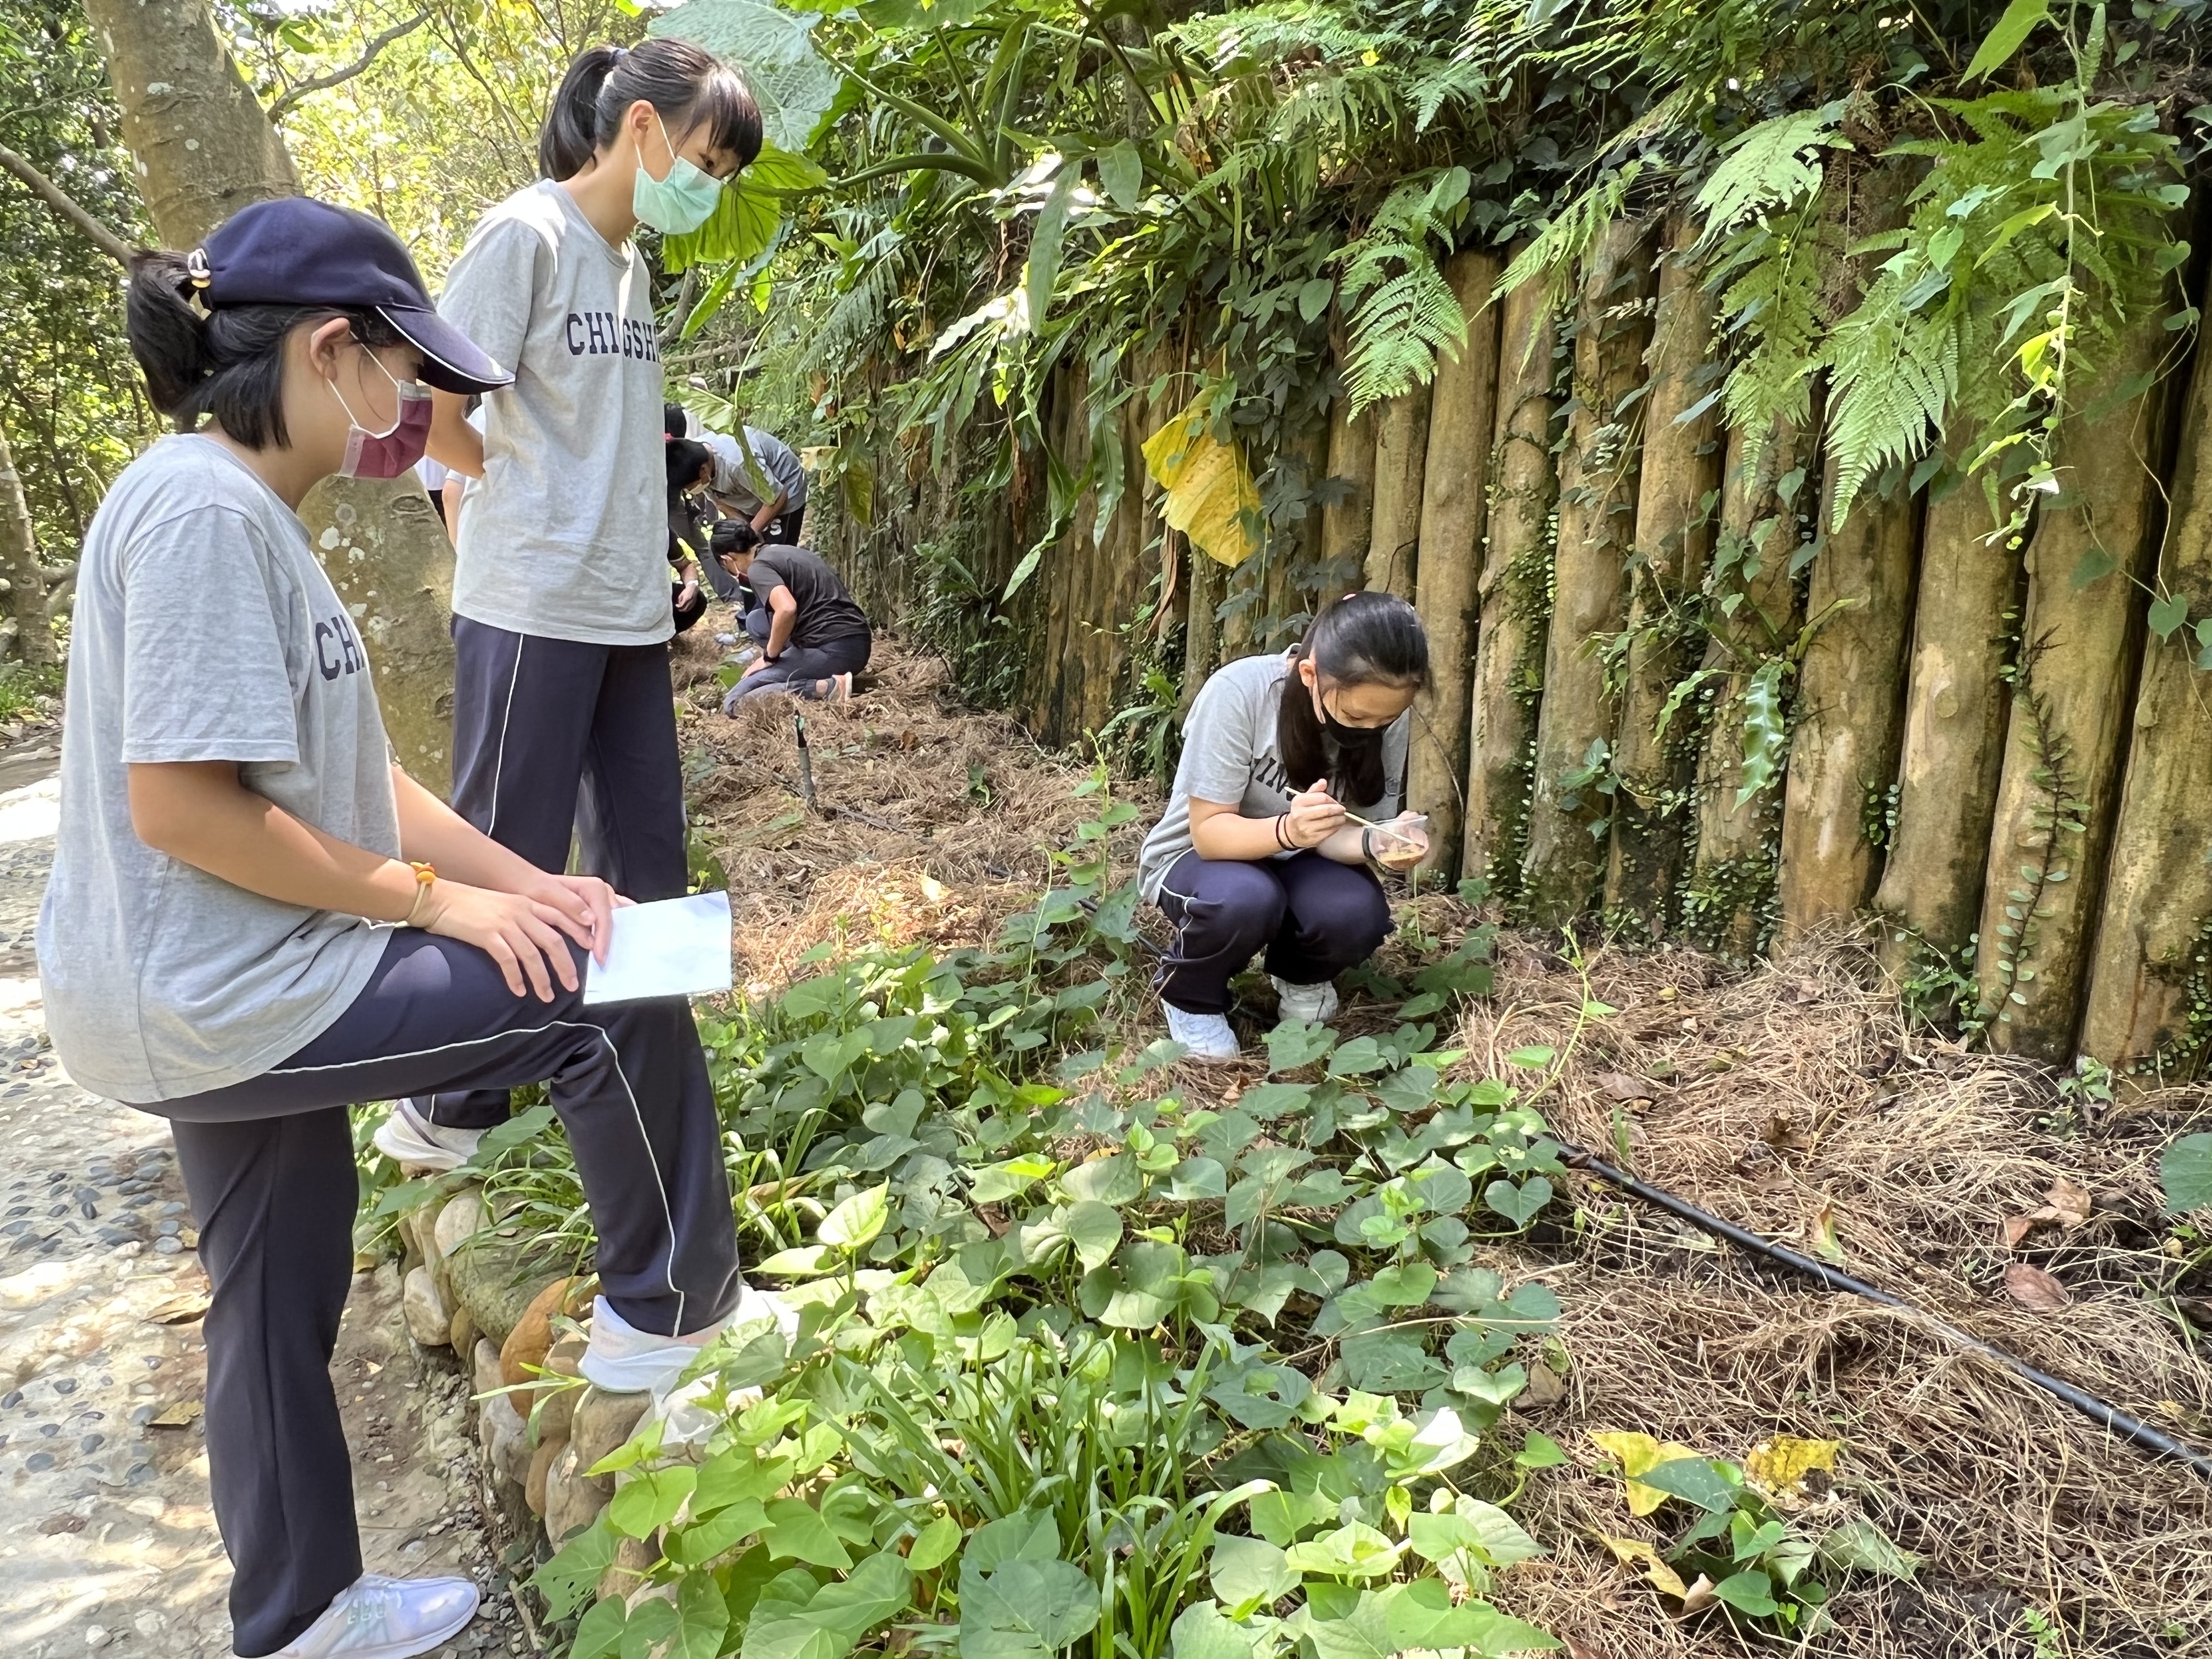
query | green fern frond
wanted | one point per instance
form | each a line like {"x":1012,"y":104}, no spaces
{"x":1773,"y":164}
{"x":1561,"y":247}
{"x":1399,"y":332}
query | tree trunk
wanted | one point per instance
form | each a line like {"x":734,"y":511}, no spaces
{"x":1289,"y":599}
{"x":33,"y":639}
{"x":1955,"y":708}
{"x":2150,"y":996}
{"x":1401,"y":448}
{"x":1564,"y":870}
{"x":1515,"y":595}
{"x":204,"y":149}
{"x":2059,"y":794}
{"x":1202,"y":650}
{"x":1678,"y":496}
{"x":1454,"y":501}
{"x":1346,"y":523}
{"x":1752,"y":602}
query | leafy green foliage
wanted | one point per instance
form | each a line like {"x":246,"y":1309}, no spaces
{"x":2184,"y":1170}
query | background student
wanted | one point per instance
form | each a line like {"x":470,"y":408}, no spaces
{"x":761,"y":480}
{"x":813,"y":638}
{"x":564,"y":714}
{"x":1254,"y":853}
{"x":300,"y":926}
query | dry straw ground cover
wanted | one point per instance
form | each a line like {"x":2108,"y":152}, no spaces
{"x":1793,"y":1100}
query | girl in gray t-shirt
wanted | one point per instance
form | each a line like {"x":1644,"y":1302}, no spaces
{"x":564,"y":726}
{"x":1255,"y":851}
{"x":256,"y":918}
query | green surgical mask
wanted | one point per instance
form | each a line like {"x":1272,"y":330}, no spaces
{"x":681,"y":201}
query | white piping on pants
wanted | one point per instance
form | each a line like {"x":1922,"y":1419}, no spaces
{"x":505,"y":715}
{"x":667,"y":1216}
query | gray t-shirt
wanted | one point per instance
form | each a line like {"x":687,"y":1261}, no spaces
{"x":1229,"y":755}
{"x":565,"y":534}
{"x":775,"y":460}
{"x":204,"y":631}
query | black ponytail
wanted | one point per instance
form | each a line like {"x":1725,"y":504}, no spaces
{"x":228,"y":363}
{"x":687,"y":85}
{"x":1362,"y":639}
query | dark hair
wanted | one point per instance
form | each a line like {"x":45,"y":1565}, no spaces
{"x":687,"y":85}
{"x":687,"y":458}
{"x":228,"y":363}
{"x":1362,"y":639}
{"x":675,"y":419}
{"x":730,"y":536}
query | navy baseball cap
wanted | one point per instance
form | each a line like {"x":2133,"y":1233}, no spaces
{"x":295,"y":251}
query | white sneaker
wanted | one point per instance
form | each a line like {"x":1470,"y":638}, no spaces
{"x":840,"y":687}
{"x":408,"y":1137}
{"x":1206,"y":1035}
{"x":1311,"y":1004}
{"x":378,"y":1617}
{"x":621,"y":1358}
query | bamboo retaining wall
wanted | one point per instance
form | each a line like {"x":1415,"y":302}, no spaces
{"x":2002,"y":763}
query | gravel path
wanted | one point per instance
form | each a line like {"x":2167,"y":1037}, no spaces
{"x":107,"y":1541}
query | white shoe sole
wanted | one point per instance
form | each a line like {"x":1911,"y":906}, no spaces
{"x":411,"y":1152}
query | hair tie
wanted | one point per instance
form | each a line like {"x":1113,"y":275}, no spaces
{"x":196,"y":267}
{"x":621,"y":52}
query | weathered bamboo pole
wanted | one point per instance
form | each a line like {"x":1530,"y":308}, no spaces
{"x":2059,"y":794}
{"x":1752,"y":598}
{"x":1514,"y":594}
{"x":1289,"y":601}
{"x":1346,"y":521}
{"x":1851,"y":683}
{"x":1956,"y":702}
{"x":1201,"y":649}
{"x":1455,"y":502}
{"x":1678,"y":496}
{"x":1563,"y":870}
{"x":2150,"y":991}
{"x":1401,"y":447}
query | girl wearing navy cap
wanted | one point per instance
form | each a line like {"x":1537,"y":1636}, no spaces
{"x":564,"y":717}
{"x":255,"y":918}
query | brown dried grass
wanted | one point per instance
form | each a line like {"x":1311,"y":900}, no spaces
{"x":1774,"y":1096}
{"x":1795,"y":1091}
{"x":934,"y":821}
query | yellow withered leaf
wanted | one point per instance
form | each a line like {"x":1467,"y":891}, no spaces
{"x":1210,"y":495}
{"x":1639,"y":1454}
{"x":1632,"y":1553}
{"x":1780,"y":1465}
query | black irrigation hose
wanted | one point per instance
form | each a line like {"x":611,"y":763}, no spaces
{"x":2088,"y":1405}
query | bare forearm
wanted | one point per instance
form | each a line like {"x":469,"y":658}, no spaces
{"x":780,"y":629}
{"x":1230,"y":837}
{"x":201,"y":815}
{"x":767,"y":515}
{"x":1345,"y":846}
{"x":432,"y":832}
{"x":453,"y":442}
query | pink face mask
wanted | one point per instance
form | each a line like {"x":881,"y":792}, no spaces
{"x":388,"y":453}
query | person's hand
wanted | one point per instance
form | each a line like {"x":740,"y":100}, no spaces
{"x":687,"y":592}
{"x":586,"y":900}
{"x":755,"y":666}
{"x":1402,"y":842}
{"x":1314,"y":816}
{"x":528,"y":939}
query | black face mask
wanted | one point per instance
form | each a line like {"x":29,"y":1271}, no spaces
{"x":1343,"y":736}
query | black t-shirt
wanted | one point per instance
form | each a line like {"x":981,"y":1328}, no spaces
{"x":826,"y":611}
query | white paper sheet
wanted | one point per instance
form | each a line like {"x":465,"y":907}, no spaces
{"x":672,"y":948}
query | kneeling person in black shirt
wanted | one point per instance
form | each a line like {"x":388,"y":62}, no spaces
{"x":813,"y":638}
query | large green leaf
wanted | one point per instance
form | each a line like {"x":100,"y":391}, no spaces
{"x":2007,"y":35}
{"x":855,"y":1224}
{"x":796,"y":1531}
{"x":2185,"y":1169}
{"x":1025,"y":1609}
{"x":795,"y":1619}
{"x":1250,"y":1573}
{"x":794,"y":84}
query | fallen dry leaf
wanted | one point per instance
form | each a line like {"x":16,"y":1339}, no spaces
{"x":1633,"y":1553}
{"x":177,"y":1416}
{"x":1544,"y":1389}
{"x":1579,"y":1649}
{"x":2031,"y":1287}
{"x":1698,"y":1596}
{"x":1783,"y":1464}
{"x":2014,"y":1228}
{"x":178,"y":1309}
{"x":1625,"y":1087}
{"x":1783,"y":1135}
{"x":2071,"y":1205}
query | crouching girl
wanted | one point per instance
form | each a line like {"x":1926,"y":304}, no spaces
{"x":1257,"y":852}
